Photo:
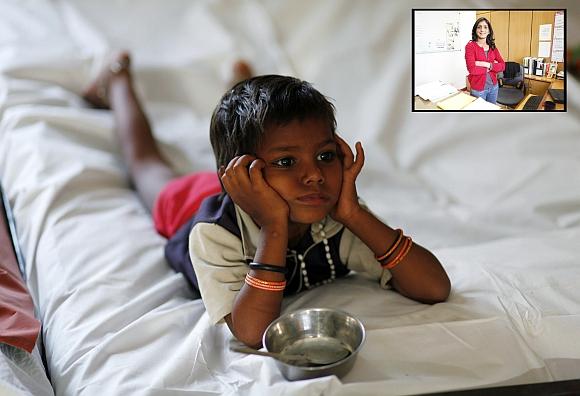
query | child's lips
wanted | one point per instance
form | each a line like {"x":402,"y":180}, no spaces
{"x":314,"y":199}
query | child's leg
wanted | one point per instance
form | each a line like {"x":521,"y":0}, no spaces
{"x":113,"y":89}
{"x":148,"y":170}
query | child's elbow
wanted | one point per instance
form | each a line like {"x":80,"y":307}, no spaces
{"x":252,"y":343}
{"x":433,"y":292}
{"x":251,"y":340}
{"x":249,"y":336}
{"x":439,"y":292}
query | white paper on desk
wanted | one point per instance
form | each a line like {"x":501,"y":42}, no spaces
{"x":544,"y":49}
{"x":481,"y":104}
{"x":435,"y":91}
{"x":424,"y":89}
{"x":456,"y":102}
{"x":545,"y":32}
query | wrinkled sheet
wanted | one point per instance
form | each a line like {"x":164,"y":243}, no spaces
{"x":495,"y":196}
{"x":22,"y":373}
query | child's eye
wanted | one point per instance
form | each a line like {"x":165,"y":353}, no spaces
{"x":327,"y":156}
{"x":284,"y":162}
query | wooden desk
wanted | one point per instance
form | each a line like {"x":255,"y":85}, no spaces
{"x":537,"y":85}
{"x":466,"y":99}
{"x":520,"y":105}
{"x":556,"y":84}
{"x":421,"y":104}
{"x":540,"y":78}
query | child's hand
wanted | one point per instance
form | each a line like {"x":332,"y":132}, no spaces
{"x":347,"y":203}
{"x":245,"y":184}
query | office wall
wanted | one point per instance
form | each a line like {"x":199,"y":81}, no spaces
{"x":500,"y":22}
{"x":520,"y":35}
{"x":446,"y":66}
{"x":517,"y":32}
{"x":542,"y":18}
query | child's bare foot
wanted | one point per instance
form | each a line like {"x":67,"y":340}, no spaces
{"x":97,"y":94}
{"x":241,"y":71}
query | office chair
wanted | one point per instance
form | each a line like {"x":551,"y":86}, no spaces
{"x":511,"y":87}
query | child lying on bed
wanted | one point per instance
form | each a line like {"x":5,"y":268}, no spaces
{"x":288,"y":217}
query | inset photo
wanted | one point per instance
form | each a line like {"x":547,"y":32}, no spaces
{"x":489,"y":60}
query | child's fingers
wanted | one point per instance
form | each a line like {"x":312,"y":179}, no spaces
{"x":360,"y":158}
{"x":256,"y":176}
{"x":348,"y":156}
{"x":243,"y":162}
{"x":226,"y":173}
{"x":352,"y":172}
{"x":223,"y":180}
{"x":236,"y":173}
{"x":231,"y":163}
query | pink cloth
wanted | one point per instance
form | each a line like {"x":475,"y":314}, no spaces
{"x":181,"y":198}
{"x":18,"y":325}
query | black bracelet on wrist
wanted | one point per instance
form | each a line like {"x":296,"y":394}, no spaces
{"x":268,"y":267}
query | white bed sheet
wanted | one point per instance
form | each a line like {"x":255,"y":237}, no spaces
{"x":22,"y":373}
{"x":496,"y":197}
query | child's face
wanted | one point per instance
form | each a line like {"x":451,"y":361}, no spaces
{"x":303,"y":166}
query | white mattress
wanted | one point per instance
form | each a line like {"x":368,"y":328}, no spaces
{"x":495,"y":196}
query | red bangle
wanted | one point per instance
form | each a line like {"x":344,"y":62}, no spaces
{"x":393,"y":247}
{"x":265,"y":285}
{"x":400,"y":256}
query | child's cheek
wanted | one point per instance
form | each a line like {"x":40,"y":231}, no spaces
{"x":278,"y":184}
{"x":335,"y":177}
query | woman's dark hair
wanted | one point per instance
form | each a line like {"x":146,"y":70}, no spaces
{"x":246,"y":111}
{"x":490,"y":39}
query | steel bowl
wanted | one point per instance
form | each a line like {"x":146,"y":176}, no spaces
{"x":310,"y":330}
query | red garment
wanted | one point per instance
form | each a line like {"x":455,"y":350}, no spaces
{"x":474,"y":52}
{"x":18,"y":325}
{"x":180,"y":199}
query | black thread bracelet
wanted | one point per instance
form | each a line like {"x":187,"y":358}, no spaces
{"x":267,"y":267}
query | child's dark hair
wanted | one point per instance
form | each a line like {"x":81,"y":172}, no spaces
{"x":243,"y":114}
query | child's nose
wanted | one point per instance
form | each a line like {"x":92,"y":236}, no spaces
{"x":313,"y":175}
